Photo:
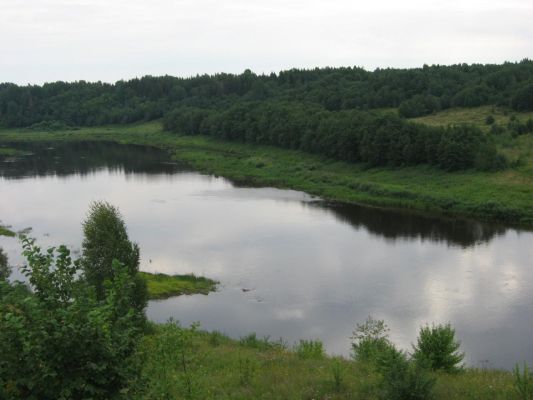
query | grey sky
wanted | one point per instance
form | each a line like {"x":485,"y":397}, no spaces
{"x":47,"y":40}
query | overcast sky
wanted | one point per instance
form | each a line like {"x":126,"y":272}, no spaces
{"x":48,"y":40}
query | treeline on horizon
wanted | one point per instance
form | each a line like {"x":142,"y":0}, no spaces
{"x":415,"y":91}
{"x":323,"y":110}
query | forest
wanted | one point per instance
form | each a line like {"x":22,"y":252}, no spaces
{"x":337,"y":112}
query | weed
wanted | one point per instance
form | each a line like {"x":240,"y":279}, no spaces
{"x":523,"y":381}
{"x":310,"y":349}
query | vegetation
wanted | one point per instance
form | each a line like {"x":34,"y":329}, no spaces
{"x":379,"y":137}
{"x":372,"y":138}
{"x":217,"y":367}
{"x":105,"y":239}
{"x":310,"y":349}
{"x":523,"y":382}
{"x":437,"y":348}
{"x":7,"y":151}
{"x":59,"y":341}
{"x":162,"y":286}
{"x":420,"y":90}
{"x":502,"y":196}
{"x":4,"y":231}
{"x":5,"y":269}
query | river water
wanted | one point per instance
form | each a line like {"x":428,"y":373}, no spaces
{"x":290,"y":266}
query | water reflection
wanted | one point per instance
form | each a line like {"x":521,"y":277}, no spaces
{"x":396,"y":224}
{"x":309,"y":270}
{"x":41,"y":159}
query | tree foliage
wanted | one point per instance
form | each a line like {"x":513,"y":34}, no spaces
{"x":350,"y":135}
{"x":5,"y":269}
{"x":60,"y":341}
{"x":437,"y":348}
{"x":416,"y":91}
{"x":106,"y":240}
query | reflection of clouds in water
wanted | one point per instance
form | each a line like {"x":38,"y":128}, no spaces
{"x":312,"y":277}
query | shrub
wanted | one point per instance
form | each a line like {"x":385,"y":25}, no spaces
{"x":404,"y":379}
{"x":251,"y":340}
{"x":489,"y":120}
{"x":370,"y":341}
{"x":310,"y":349}
{"x":337,"y":374}
{"x":437,"y":348}
{"x":170,"y":372}
{"x":60,"y":342}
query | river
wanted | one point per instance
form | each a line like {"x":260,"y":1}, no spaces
{"x":290,"y":266}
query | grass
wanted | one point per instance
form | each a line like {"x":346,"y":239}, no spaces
{"x":162,"y":286}
{"x":475,"y":115}
{"x":499,"y":196}
{"x":218,"y":367}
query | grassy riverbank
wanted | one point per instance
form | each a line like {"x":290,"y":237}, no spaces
{"x":200,"y":365}
{"x":501,"y":196}
{"x":162,"y":286}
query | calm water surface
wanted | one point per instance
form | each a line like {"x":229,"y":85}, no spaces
{"x":290,"y":266}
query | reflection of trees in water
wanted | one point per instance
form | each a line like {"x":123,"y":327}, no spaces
{"x":394,"y":224}
{"x":84,"y":157}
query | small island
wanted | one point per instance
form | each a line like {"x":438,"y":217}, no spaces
{"x":162,"y":286}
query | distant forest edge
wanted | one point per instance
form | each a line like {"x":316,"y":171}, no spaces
{"x":337,"y":112}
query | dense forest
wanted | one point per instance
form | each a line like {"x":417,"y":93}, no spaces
{"x":327,"y":110}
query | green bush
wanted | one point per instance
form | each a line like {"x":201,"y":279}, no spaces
{"x":59,"y":341}
{"x":404,"y":379}
{"x":310,"y":349}
{"x":370,"y":341}
{"x":437,"y":348}
{"x":171,"y":369}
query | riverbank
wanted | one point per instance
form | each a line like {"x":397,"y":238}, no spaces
{"x":181,"y":363}
{"x":162,"y":286}
{"x":503,"y":196}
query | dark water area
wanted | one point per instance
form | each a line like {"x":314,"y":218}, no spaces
{"x":290,"y":266}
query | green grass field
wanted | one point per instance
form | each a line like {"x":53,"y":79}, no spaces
{"x":162,"y":286}
{"x":500,"y":196}
{"x":217,"y":367}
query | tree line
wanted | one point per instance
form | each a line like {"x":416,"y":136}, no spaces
{"x":415,"y":91}
{"x":377,"y":139}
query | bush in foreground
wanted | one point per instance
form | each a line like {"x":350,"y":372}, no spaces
{"x":59,"y":341}
{"x":437,"y":348}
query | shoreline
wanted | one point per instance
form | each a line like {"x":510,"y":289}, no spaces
{"x":501,"y":197}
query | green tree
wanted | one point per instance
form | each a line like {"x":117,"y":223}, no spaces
{"x":59,"y":341}
{"x":437,"y":348}
{"x":106,"y":240}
